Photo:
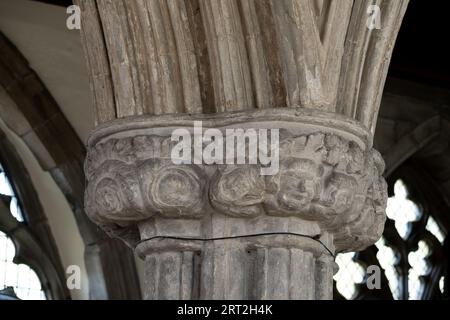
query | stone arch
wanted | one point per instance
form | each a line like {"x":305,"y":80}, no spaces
{"x":31,"y":112}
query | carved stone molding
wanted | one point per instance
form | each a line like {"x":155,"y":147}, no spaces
{"x":324,"y":175}
{"x":312,"y":69}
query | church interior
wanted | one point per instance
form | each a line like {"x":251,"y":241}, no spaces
{"x":66,"y":93}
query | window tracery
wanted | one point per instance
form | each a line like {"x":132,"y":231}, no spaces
{"x":409,"y":254}
{"x":20,"y":277}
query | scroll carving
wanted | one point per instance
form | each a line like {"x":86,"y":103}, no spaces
{"x":322,"y":177}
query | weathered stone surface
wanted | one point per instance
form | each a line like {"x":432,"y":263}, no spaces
{"x":325,"y":175}
{"x":207,"y":56}
{"x":328,"y":186}
{"x":313,"y":69}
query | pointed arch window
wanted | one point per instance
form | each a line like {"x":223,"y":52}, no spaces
{"x":29,"y":260}
{"x":409,"y":254}
{"x":20,"y":277}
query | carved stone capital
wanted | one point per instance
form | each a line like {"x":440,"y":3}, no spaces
{"x":327,"y":174}
{"x":312,"y":69}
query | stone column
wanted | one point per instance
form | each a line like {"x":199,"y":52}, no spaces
{"x":313,"y":69}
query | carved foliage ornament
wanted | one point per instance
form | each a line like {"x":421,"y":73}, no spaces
{"x":322,"y":177}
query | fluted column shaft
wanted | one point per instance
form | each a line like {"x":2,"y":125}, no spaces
{"x":311,"y":69}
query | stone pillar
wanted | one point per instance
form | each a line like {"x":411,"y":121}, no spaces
{"x":313,"y":69}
